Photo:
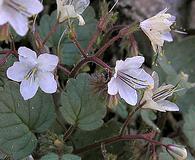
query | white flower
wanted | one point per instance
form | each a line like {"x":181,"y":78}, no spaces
{"x":16,"y":13}
{"x":157,"y":28}
{"x":71,"y":9}
{"x":128,"y":77}
{"x":33,"y":72}
{"x":156,"y":98}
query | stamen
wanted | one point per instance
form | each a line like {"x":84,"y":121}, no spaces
{"x":31,"y":73}
{"x":18,"y":7}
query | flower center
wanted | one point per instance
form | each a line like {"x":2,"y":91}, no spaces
{"x":131,"y":81}
{"x":18,"y":7}
{"x":31,"y":73}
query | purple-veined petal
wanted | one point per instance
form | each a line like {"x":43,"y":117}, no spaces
{"x":140,"y":78}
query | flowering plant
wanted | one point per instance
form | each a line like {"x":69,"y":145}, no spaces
{"x":76,"y":84}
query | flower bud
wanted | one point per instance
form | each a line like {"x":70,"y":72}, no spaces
{"x":112,"y":101}
{"x":59,"y":144}
{"x":72,"y":34}
{"x":177,"y":151}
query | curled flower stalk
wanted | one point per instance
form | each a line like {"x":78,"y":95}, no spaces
{"x":128,"y":77}
{"x":17,"y":12}
{"x":34,"y":72}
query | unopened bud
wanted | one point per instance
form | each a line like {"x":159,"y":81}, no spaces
{"x":177,"y":151}
{"x":59,"y":144}
{"x":113,"y":101}
{"x":72,"y":34}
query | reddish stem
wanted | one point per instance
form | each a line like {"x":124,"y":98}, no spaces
{"x":118,"y":139}
{"x":100,"y":28}
{"x":107,"y":45}
{"x":77,"y":44}
{"x":66,"y":71}
{"x":52,"y":31}
{"x":4,"y":59}
{"x":94,"y":59}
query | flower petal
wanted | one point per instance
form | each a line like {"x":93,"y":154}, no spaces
{"x":81,"y":20}
{"x":47,"y":62}
{"x":127,"y":93}
{"x":65,"y":11}
{"x":167,"y":37}
{"x":133,"y":62}
{"x":47,"y":82}
{"x":3,"y":15}
{"x":18,"y":21}
{"x":31,"y":6}
{"x":18,"y":71}
{"x":80,"y":5}
{"x":27,"y":56}
{"x":167,"y":105}
{"x":150,"y":104}
{"x":28,"y":88}
{"x":112,"y":86}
